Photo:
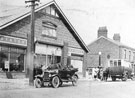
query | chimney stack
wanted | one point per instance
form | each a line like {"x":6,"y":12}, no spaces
{"x":102,"y":31}
{"x":116,"y":37}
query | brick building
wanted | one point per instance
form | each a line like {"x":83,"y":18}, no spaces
{"x":55,"y":39}
{"x":109,"y":48}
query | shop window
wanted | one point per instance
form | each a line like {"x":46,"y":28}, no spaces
{"x":46,"y":60}
{"x":5,"y":48}
{"x":16,"y":62}
{"x":3,"y":59}
{"x":49,"y":29}
{"x":12,"y":49}
{"x":11,"y":59}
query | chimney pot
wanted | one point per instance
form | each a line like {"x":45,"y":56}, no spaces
{"x":116,"y":37}
{"x":102,"y":31}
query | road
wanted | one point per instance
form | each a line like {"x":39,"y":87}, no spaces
{"x":85,"y":89}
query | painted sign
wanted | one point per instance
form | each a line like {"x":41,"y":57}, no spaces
{"x":75,"y":51}
{"x":48,"y":49}
{"x":13,"y":40}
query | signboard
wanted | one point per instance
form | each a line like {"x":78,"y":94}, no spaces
{"x":13,"y":40}
{"x":48,"y":49}
{"x":75,"y":51}
{"x":7,"y":64}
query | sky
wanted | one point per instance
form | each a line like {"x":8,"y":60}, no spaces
{"x":88,"y":15}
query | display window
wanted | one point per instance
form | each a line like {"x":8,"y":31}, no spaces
{"x":12,"y":59}
{"x":46,"y":60}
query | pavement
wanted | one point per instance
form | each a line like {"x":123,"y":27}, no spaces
{"x":9,"y":84}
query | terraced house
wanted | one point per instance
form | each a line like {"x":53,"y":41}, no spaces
{"x":109,"y":49}
{"x":55,"y":39}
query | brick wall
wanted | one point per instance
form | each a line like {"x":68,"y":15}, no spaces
{"x":22,"y":27}
{"x":104,"y":46}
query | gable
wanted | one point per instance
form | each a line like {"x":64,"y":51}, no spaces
{"x":102,"y":44}
{"x":59,"y":14}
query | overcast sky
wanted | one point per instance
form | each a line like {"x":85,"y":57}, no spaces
{"x":88,"y":15}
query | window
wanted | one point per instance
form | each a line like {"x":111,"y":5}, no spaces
{"x":111,"y":63}
{"x":49,"y":29}
{"x":119,"y":62}
{"x":12,"y":59}
{"x":46,"y":60}
{"x":51,"y":11}
{"x":129,"y":55}
{"x":115,"y":63}
{"x":124,"y":54}
{"x":133,"y":56}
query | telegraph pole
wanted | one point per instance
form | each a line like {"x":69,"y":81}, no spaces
{"x":30,"y":43}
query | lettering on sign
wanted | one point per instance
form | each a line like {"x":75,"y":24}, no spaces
{"x":76,"y":51}
{"x":13,"y":40}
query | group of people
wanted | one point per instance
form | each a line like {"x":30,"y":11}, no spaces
{"x":101,"y":74}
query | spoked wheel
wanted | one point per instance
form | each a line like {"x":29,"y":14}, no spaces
{"x":55,"y":82}
{"x":74,"y":80}
{"x":38,"y":83}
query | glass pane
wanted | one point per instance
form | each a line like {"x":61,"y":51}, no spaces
{"x":115,"y":63}
{"x":16,"y":62}
{"x":119,"y":62}
{"x":57,"y":59}
{"x":13,"y":49}
{"x":4,"y":48}
{"x":20,"y":50}
{"x":111,"y":63}
{"x":3,"y":59}
{"x":52,"y":11}
{"x":48,"y":10}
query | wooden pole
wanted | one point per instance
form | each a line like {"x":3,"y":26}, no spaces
{"x":30,"y":43}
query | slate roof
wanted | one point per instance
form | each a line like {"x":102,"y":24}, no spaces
{"x":114,"y":42}
{"x":11,"y":15}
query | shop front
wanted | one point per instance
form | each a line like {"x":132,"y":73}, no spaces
{"x":77,"y":57}
{"x":47,"y":54}
{"x":12,"y":54}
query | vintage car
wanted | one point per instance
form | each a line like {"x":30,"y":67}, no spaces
{"x":55,"y":75}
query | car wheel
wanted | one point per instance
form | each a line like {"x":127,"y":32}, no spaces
{"x":55,"y":82}
{"x":74,"y":80}
{"x":38,"y":83}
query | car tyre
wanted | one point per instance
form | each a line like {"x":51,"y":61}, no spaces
{"x":74,"y":80}
{"x":55,"y":82}
{"x":38,"y":83}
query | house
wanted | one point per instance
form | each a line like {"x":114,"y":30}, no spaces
{"x":108,"y":49}
{"x":55,"y":39}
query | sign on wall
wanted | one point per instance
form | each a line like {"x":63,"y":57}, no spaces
{"x":48,"y":49}
{"x":75,"y":51}
{"x":13,"y":40}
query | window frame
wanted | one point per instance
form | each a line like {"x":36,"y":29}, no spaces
{"x":49,"y":27}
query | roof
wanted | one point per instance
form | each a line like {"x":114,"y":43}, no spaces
{"x":112,"y":41}
{"x":10,"y":16}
